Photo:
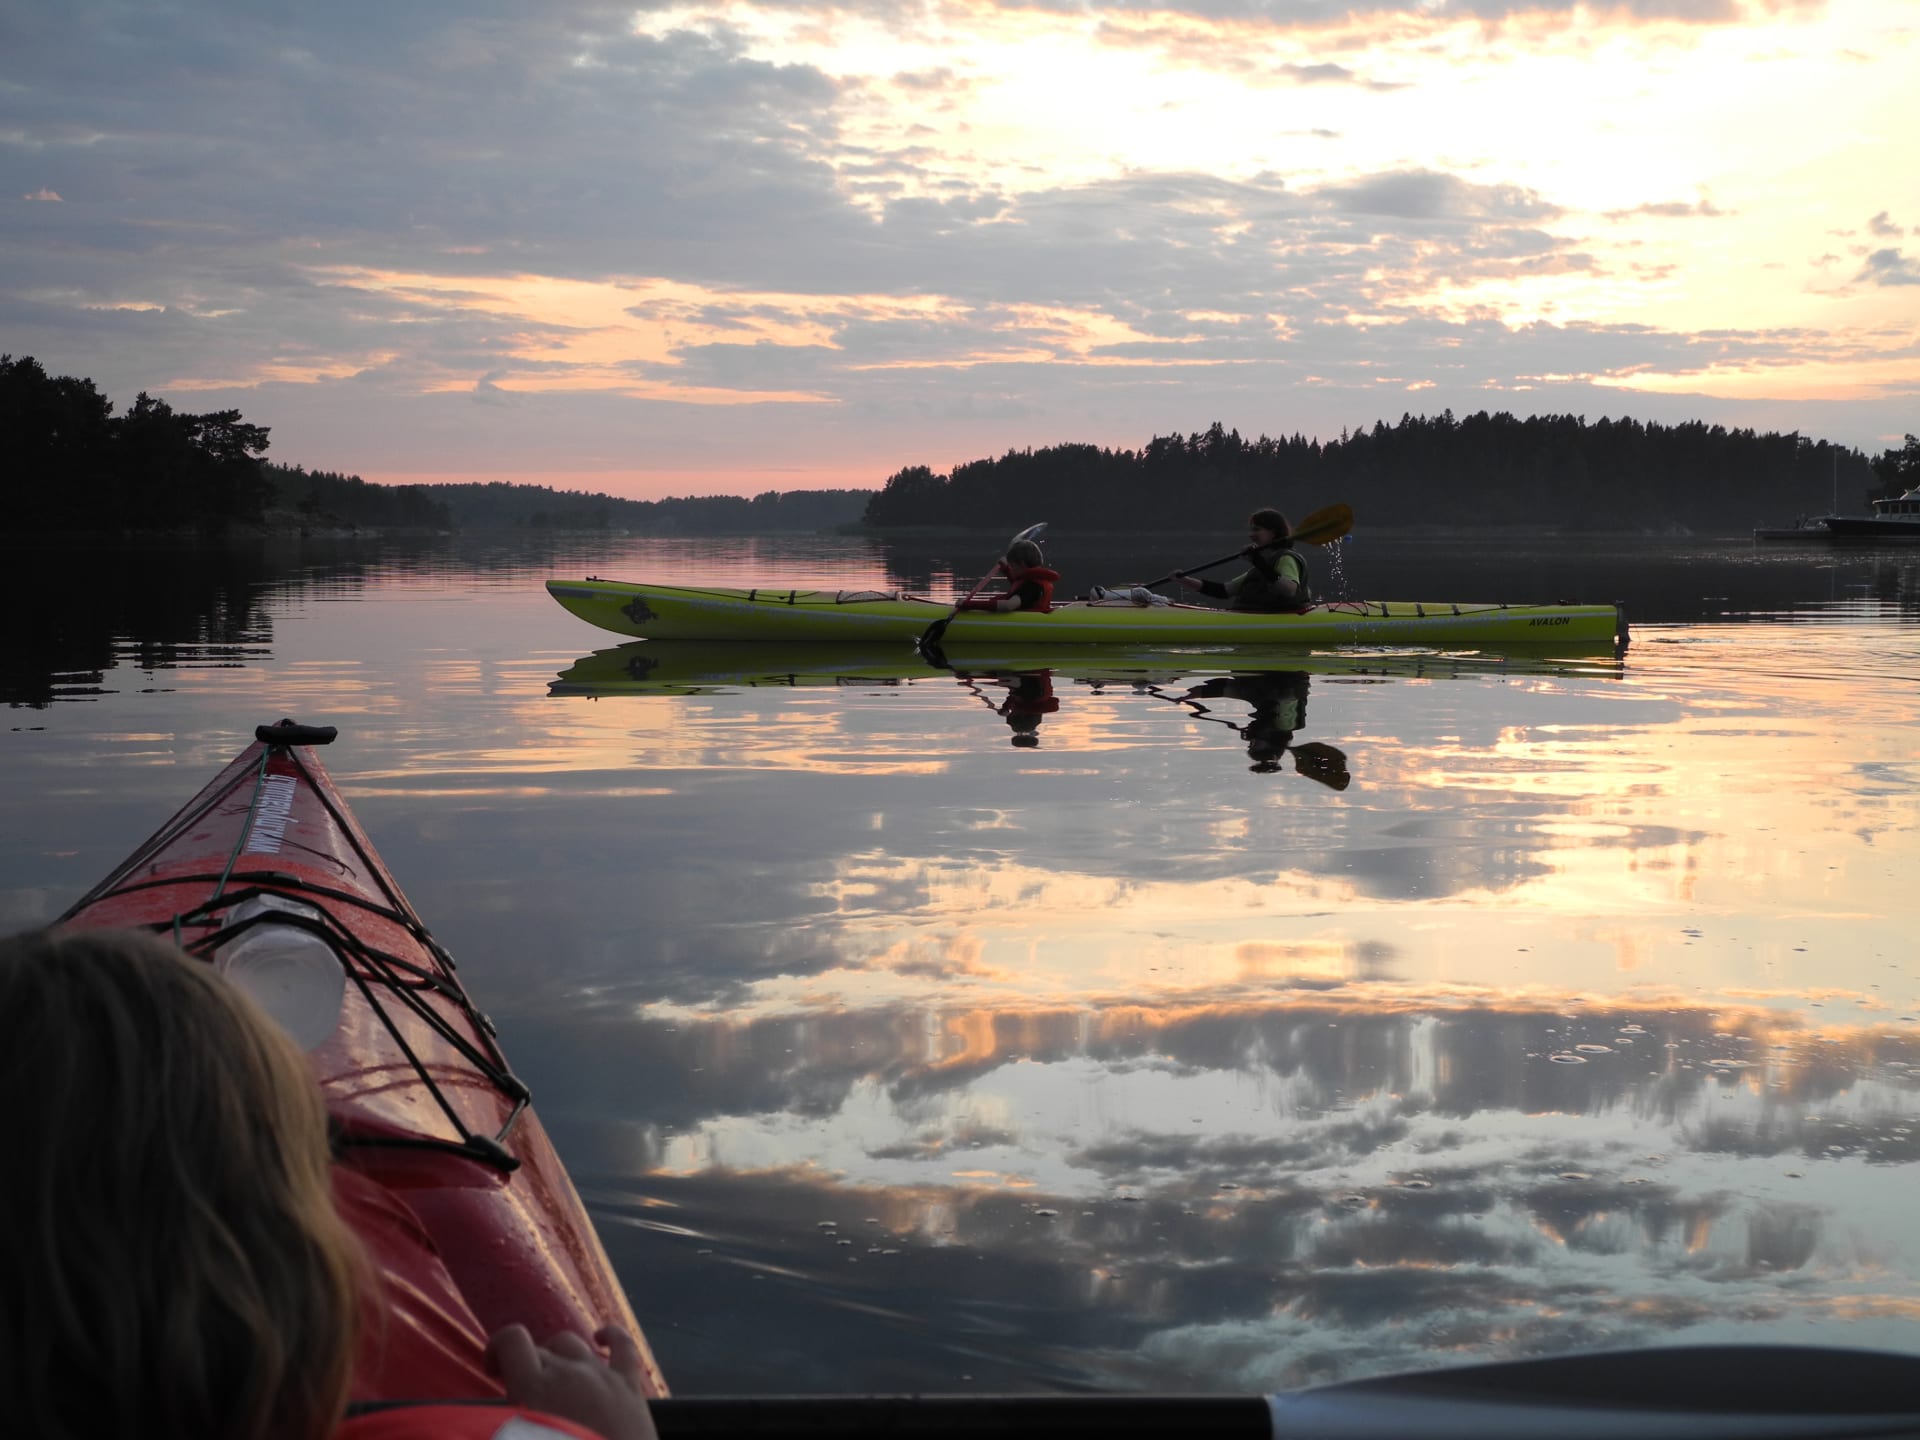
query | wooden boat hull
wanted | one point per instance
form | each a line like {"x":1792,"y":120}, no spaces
{"x":688,"y":612}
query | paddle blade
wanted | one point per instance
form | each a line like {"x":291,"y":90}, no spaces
{"x":1323,"y":527}
{"x":1324,"y":763}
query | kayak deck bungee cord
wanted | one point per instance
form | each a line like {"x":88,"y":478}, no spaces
{"x":267,"y":875}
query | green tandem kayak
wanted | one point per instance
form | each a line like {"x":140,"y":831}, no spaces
{"x":699,"y":612}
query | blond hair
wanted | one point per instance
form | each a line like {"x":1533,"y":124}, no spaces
{"x":172,"y":1262}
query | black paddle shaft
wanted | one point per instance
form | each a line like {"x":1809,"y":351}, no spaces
{"x":1195,"y":569}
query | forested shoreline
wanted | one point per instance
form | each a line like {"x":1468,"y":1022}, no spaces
{"x":497,"y":505}
{"x":1553,"y":471}
{"x":72,"y":464}
{"x":76,"y":466}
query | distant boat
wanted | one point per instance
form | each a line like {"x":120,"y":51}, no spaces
{"x":1811,"y":530}
{"x":1896,"y":519}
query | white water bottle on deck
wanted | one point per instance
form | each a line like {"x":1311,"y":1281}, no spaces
{"x":291,"y":973}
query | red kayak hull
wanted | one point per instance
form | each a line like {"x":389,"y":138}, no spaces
{"x":418,"y":1091}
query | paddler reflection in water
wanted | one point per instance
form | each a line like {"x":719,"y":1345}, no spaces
{"x":1030,"y":697}
{"x":184,"y":1258}
{"x":1279,"y":703}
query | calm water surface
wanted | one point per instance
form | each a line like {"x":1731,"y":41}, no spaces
{"x":1272,"y":1019}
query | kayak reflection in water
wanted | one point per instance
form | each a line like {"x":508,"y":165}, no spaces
{"x":1279,"y":702}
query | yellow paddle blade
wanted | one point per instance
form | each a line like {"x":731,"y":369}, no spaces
{"x":1323,"y":526}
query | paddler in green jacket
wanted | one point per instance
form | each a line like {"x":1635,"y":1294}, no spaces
{"x":1277,"y":578}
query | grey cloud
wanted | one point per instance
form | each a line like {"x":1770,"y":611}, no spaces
{"x":939,"y":79}
{"x":1670,"y":210}
{"x":1278,"y":15}
{"x":1691,"y":12}
{"x":1327,"y":73}
{"x":1332,"y":74}
{"x":505,"y":144}
{"x":1890,"y":267}
{"x":1882,"y":224}
{"x":1227,"y":53}
{"x":749,"y":367}
{"x":1430,"y":195}
{"x":487,"y":392}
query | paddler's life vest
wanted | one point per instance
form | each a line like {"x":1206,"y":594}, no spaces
{"x":1254,"y":591}
{"x":1034,"y":585}
{"x":457,"y":1420}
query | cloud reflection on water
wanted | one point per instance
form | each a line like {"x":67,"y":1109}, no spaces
{"x":1377,"y":1183}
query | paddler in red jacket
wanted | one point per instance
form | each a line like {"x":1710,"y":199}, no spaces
{"x":1029,"y":582}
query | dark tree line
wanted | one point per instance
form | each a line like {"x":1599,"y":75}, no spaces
{"x":1426,"y":471}
{"x":500,"y":506}
{"x":326,"y":497}
{"x":145,"y":612}
{"x":1898,"y":471}
{"x":72,"y":464}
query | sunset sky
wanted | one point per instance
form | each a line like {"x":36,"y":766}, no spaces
{"x":741,"y":246}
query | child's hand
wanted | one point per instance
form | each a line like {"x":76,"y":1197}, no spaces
{"x":568,"y":1378}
